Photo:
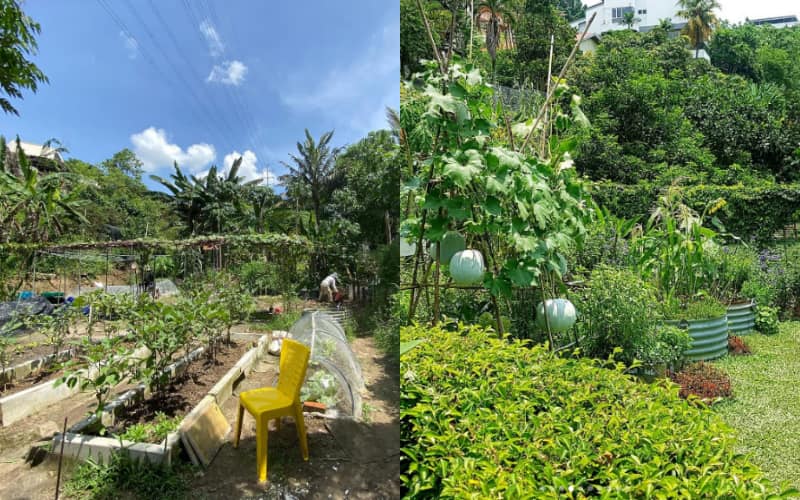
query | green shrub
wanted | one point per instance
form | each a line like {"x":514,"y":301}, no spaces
{"x":665,"y":345}
{"x":259,"y":277}
{"x":617,"y":309}
{"x":767,"y":320}
{"x":124,"y":477}
{"x":152,"y":432}
{"x":483,"y":417}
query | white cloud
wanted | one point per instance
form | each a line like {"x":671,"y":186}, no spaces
{"x":229,"y":73}
{"x":357,"y":89}
{"x":155,"y":151}
{"x":209,"y":32}
{"x":248,"y":170}
{"x":131,"y":45}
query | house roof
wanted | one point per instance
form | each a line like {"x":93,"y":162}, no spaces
{"x":36,"y":150}
{"x":776,"y":19}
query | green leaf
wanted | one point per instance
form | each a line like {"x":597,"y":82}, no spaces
{"x":492,"y":206}
{"x":407,"y":346}
{"x":457,"y":90}
{"x":437,"y":226}
{"x":497,"y":286}
{"x":461,"y":170}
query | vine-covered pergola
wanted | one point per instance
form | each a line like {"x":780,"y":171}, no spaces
{"x":221,"y":250}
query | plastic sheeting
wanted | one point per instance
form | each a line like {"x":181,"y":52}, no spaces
{"x":24,"y":307}
{"x":331,"y":354}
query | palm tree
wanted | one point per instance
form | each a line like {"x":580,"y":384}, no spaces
{"x":629,"y":19}
{"x":313,"y":166}
{"x":701,"y":21}
{"x":214,"y":203}
{"x":499,"y":11}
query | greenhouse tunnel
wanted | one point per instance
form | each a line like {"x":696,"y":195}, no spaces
{"x":334,"y":375}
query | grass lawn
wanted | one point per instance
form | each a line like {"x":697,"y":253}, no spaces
{"x":765,"y":409}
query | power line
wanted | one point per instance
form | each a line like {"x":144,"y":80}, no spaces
{"x":121,"y":24}
{"x":226,"y":91}
{"x":225,"y":126}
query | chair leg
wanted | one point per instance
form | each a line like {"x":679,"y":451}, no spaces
{"x":300,"y":423}
{"x":262,"y":434}
{"x":238,"y":430}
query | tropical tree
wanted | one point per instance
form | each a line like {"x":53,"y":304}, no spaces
{"x":34,"y":208}
{"x":573,"y":9}
{"x":500,"y":12}
{"x":17,"y":41}
{"x":629,"y":19}
{"x":701,"y":21}
{"x":211,"y":204}
{"x":313,"y":167}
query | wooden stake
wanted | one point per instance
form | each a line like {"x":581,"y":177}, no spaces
{"x":61,"y":457}
{"x":560,"y":76}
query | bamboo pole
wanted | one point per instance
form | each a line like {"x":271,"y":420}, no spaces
{"x":563,"y":71}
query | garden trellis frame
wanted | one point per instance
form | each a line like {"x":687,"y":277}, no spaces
{"x":289,"y":247}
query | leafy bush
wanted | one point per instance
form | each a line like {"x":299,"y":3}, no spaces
{"x":704,"y":381}
{"x":617,"y":309}
{"x":124,"y":477}
{"x":665,"y":345}
{"x":483,"y":417}
{"x":259,"y":277}
{"x":151,"y":432}
{"x":767,"y":320}
{"x":737,"y":346}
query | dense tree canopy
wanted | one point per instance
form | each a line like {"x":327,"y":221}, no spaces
{"x":17,"y":43}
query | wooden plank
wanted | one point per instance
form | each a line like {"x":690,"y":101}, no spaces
{"x":203,"y":432}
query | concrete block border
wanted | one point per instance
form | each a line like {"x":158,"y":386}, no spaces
{"x":83,"y":446}
{"x":19,"y":405}
{"x":26,"y":368}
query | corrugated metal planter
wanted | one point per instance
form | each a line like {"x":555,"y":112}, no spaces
{"x":741,"y":318}
{"x":709,"y":337}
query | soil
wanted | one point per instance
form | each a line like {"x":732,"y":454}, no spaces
{"x":348,"y":458}
{"x":183,"y":393}
{"x":36,"y":378}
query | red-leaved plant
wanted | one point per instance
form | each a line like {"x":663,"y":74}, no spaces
{"x":704,"y":381}
{"x":737,"y":346}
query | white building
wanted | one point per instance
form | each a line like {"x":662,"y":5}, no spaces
{"x":778,"y":22}
{"x":647,"y":13}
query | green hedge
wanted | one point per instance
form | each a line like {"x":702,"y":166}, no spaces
{"x":753,"y":213}
{"x":488,"y":418}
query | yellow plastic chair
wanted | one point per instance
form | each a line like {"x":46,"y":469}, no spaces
{"x":269,"y":403}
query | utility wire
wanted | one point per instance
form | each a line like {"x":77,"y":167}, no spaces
{"x":226,"y":91}
{"x":121,"y":24}
{"x":223,"y":124}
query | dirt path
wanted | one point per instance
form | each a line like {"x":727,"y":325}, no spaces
{"x":349,"y":459}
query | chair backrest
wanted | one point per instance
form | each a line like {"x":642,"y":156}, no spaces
{"x":293,"y":364}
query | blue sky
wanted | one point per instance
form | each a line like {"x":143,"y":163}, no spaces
{"x":203,"y":81}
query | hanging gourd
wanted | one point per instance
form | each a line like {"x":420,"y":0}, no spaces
{"x":452,"y":243}
{"x":407,"y":248}
{"x":561,"y":314}
{"x":466,"y":267}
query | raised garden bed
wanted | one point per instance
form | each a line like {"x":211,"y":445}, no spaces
{"x":709,"y":337}
{"x":30,"y":366}
{"x":741,"y":318}
{"x":189,"y":395}
{"x":18,"y":405}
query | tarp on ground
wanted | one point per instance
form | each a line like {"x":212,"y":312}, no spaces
{"x":24,"y":307}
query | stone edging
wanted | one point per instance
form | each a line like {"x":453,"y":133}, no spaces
{"x":82,"y":446}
